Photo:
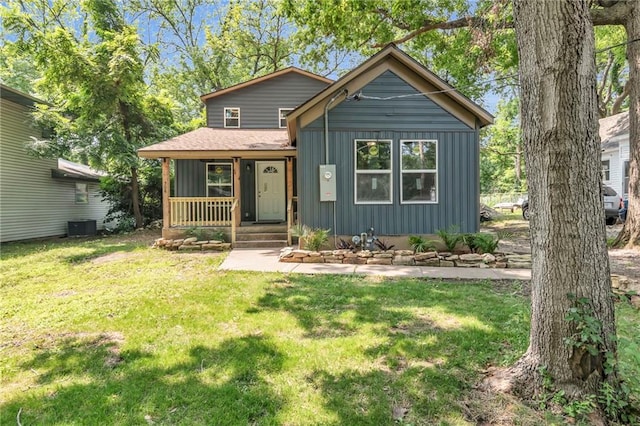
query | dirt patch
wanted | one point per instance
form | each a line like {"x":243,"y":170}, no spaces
{"x":490,"y":408}
{"x":515,"y":239}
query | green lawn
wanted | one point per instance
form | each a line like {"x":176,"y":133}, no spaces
{"x":112,"y":332}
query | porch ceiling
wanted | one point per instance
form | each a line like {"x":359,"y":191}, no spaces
{"x":207,"y":142}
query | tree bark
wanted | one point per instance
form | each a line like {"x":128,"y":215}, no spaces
{"x":630,"y":234}
{"x":562,"y":151}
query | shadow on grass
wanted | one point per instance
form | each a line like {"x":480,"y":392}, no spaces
{"x":430,"y":341}
{"x":89,"y":380}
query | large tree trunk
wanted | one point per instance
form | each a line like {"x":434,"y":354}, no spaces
{"x":630,"y":234}
{"x":562,"y":153}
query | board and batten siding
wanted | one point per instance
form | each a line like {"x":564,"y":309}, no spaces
{"x":32,"y":203}
{"x":259,"y":103}
{"x":410,"y":118}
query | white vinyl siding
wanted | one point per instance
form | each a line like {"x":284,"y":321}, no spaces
{"x":373,"y":171}
{"x":32,"y":203}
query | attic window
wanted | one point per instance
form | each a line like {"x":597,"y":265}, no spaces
{"x":232,"y":117}
{"x":282,"y":115}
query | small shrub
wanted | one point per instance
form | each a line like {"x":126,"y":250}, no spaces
{"x":345,"y":245}
{"x":203,"y":234}
{"x":449,"y":237}
{"x":481,"y":242}
{"x":316,"y":238}
{"x":383,"y":245}
{"x":420,"y":244}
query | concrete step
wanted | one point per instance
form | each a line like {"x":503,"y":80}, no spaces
{"x":274,"y":236}
{"x":261,"y":229}
{"x":260,"y":244}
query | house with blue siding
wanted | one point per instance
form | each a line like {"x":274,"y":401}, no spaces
{"x":389,"y":145}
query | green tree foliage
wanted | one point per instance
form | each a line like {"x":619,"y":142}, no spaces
{"x":93,"y":79}
{"x":501,"y":156}
{"x":613,"y":70}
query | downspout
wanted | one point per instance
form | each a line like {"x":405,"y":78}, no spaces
{"x":326,"y":153}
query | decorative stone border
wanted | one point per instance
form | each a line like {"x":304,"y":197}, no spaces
{"x":191,"y":244}
{"x":407,"y":257}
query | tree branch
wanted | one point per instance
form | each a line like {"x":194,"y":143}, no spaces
{"x":613,"y":13}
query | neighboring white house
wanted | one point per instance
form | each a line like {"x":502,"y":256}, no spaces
{"x":39,"y":197}
{"x":614,"y":134}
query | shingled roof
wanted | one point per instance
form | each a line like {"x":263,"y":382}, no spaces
{"x":610,"y":127}
{"x":207,"y":141}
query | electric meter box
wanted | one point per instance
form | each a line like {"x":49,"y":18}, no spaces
{"x":327,"y":182}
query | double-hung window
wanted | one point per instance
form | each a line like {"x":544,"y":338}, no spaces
{"x":232,"y":117}
{"x":219,"y":180}
{"x":82,"y":193}
{"x":373,"y":172}
{"x":625,"y":183}
{"x":606,"y":174}
{"x":419,"y":163}
{"x":282,"y":116}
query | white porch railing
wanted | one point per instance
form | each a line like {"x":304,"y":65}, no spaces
{"x":201,"y":211}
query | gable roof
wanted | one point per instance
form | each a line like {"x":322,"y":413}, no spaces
{"x":76,"y":171}
{"x":612,"y":127}
{"x":407,"y":68}
{"x":18,"y":97}
{"x":209,"y":142}
{"x":265,"y":78}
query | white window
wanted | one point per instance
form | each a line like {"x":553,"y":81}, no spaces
{"x":625,"y":184}
{"x":219,"y":180}
{"x":605,"y":170}
{"x":232,"y":117}
{"x":282,"y":116}
{"x":82,"y":193}
{"x":419,"y":165}
{"x":373,"y":172}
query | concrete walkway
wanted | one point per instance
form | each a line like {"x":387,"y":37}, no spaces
{"x":266,"y":260}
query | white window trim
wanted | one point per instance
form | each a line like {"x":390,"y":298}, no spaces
{"x":206,"y":177}
{"x":280,"y":117}
{"x":402,"y":171}
{"x":224,"y":118}
{"x":381,"y":172}
{"x":79,"y":191}
{"x":607,"y":170}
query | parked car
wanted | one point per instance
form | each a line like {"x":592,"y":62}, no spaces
{"x":612,"y":206}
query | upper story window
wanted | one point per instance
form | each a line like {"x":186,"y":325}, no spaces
{"x":606,"y":173}
{"x":282,"y":116}
{"x":219,"y":180}
{"x":232,"y":117}
{"x":373,"y":172}
{"x":419,"y":169}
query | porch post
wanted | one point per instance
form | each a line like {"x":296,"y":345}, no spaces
{"x":289,"y":178}
{"x":237,"y":192}
{"x":166,"y":191}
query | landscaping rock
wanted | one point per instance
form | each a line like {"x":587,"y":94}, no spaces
{"x":383,"y":255}
{"x":300,"y":253}
{"x":332,"y":259}
{"x":350,"y":255}
{"x":313,"y":259}
{"x":471,"y":257}
{"x":190,"y":247}
{"x":326,"y":253}
{"x":425,"y":256}
{"x":291,"y":260}
{"x":404,"y":253}
{"x":635,"y":301}
{"x":447,"y":263}
{"x":379,"y":261}
{"x":354,"y":260}
{"x":365,"y":253}
{"x":488,"y":258}
{"x":190,"y":240}
{"x":518,"y":265}
{"x":428,"y":262}
{"x":452,"y":257}
{"x":202,"y":242}
{"x":403,"y":259}
{"x":500,"y":265}
{"x":468,"y":265}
